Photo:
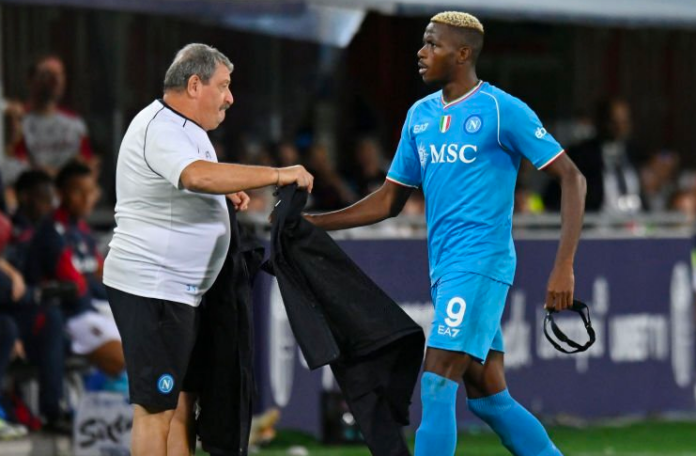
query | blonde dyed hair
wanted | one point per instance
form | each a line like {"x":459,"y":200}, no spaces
{"x":458,"y":19}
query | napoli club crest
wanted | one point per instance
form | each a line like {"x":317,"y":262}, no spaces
{"x":473,"y":124}
{"x":165,"y":384}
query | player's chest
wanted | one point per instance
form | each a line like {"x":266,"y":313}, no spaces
{"x":456,"y":139}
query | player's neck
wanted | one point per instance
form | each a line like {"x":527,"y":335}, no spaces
{"x":460,"y":87}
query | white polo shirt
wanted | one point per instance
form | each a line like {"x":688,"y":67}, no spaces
{"x":169,"y":243}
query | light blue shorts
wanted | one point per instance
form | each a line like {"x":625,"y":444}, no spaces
{"x":468,"y":309}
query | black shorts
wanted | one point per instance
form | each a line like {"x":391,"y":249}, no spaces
{"x":158,"y":337}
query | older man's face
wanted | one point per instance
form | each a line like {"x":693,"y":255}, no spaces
{"x":215,"y":98}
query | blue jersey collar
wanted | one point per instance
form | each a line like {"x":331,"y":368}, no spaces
{"x":464,"y":97}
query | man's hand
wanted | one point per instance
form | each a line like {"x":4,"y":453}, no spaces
{"x":240,"y":200}
{"x":559,"y":291}
{"x":295,"y":174}
{"x":18,"y":351}
{"x":19,"y":287}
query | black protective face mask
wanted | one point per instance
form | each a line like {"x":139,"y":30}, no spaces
{"x":584,"y":312}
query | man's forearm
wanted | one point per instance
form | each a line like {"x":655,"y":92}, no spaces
{"x":367,"y":211}
{"x":225,"y":178}
{"x":573,"y":189}
{"x":382,"y":204}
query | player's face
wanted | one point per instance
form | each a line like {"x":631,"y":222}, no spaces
{"x":80,"y":195}
{"x":437,"y":57}
{"x":216,"y":98}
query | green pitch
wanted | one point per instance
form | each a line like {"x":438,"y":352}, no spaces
{"x":652,"y":438}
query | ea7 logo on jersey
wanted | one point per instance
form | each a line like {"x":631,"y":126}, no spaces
{"x":420,"y":128}
{"x":450,"y":153}
{"x":540,"y":132}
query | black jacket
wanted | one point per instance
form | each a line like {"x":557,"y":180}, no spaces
{"x":340,"y":317}
{"x":221,"y":368}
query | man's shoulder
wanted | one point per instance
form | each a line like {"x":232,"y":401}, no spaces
{"x":503,"y":98}
{"x":155,"y":119}
{"x":427,"y":100}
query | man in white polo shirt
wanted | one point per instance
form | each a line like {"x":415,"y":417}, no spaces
{"x":171,"y":238}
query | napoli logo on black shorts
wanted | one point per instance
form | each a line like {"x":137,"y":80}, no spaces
{"x":473,"y":124}
{"x":165,"y":384}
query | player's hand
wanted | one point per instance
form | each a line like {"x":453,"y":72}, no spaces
{"x":240,"y":200}
{"x":559,"y":291}
{"x":295,"y":174}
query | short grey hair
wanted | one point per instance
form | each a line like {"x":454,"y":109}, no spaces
{"x":194,"y":59}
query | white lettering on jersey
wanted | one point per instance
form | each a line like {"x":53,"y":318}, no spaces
{"x":540,"y":132}
{"x":450,"y":153}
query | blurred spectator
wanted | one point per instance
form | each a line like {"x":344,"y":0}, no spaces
{"x":10,"y":347}
{"x":330,"y":191}
{"x":370,"y":167}
{"x":608,"y":163}
{"x":36,"y":197}
{"x":12,"y":112}
{"x":684,"y":201}
{"x":527,"y":202}
{"x":659,"y":179}
{"x":63,"y":249}
{"x":259,"y":154}
{"x":261,"y":200}
{"x":39,"y":338}
{"x":574,"y":131}
{"x":287,"y":154}
{"x":51,"y":136}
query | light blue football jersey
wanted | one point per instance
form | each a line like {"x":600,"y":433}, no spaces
{"x":465,"y":154}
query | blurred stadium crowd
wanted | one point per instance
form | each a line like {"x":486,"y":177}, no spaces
{"x":51,"y":295}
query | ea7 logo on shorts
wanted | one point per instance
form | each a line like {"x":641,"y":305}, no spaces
{"x":420,"y":128}
{"x":456,"y":308}
{"x":165,"y":384}
{"x":540,"y":132}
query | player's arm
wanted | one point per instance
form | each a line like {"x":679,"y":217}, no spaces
{"x":559,"y":294}
{"x":386,"y":202}
{"x":225,"y":178}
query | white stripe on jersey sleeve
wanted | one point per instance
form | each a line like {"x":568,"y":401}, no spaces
{"x":552,"y":159}
{"x":391,"y":179}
